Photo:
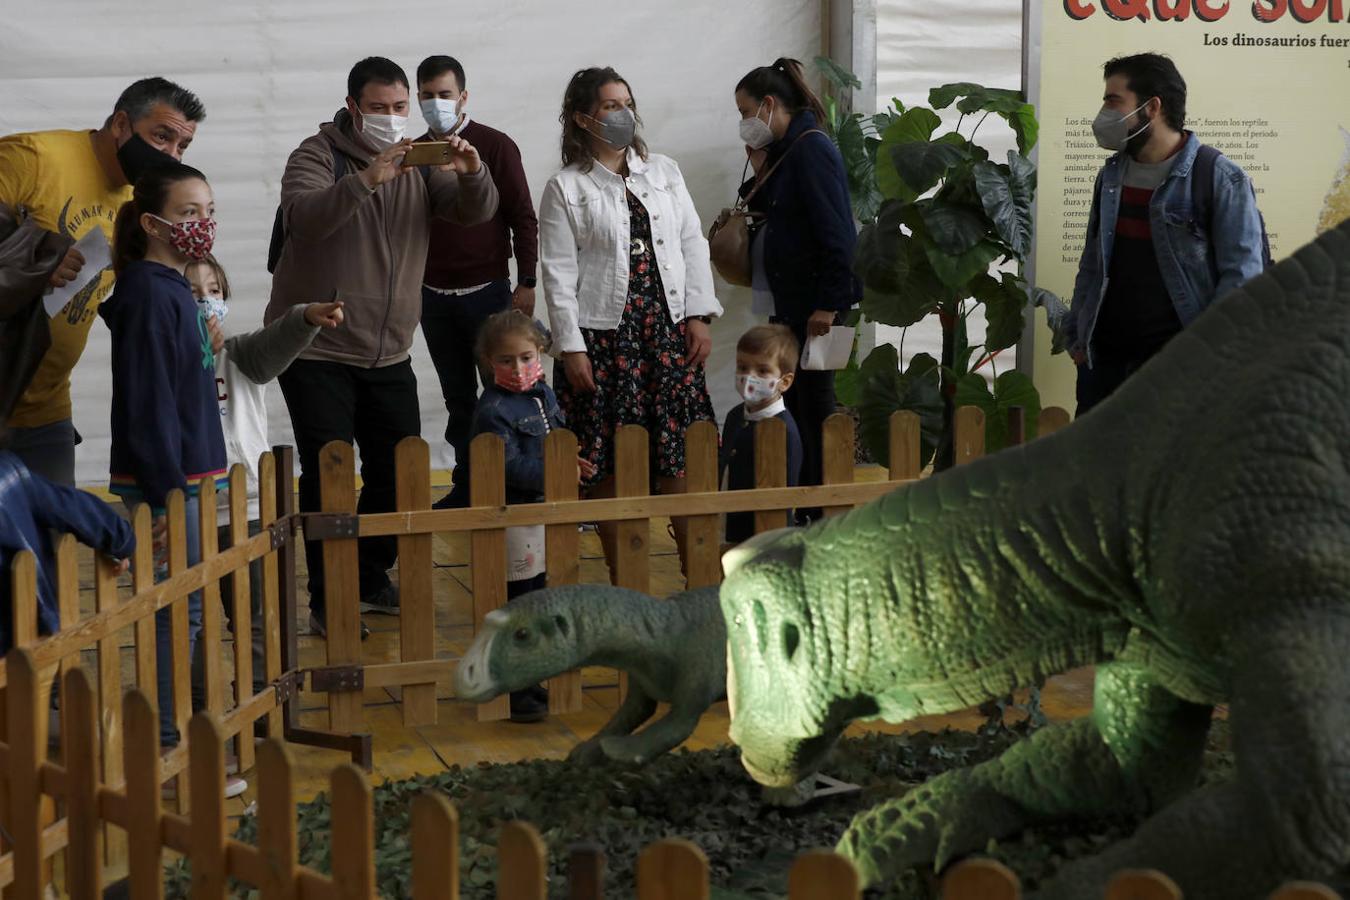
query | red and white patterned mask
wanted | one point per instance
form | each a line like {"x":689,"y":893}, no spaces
{"x":506,"y":376}
{"x":193,"y":238}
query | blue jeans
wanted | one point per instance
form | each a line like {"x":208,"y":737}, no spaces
{"x":47,"y":450}
{"x":168,"y":729}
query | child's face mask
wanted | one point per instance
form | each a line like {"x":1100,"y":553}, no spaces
{"x":515,"y":378}
{"x":213,"y":306}
{"x":756,"y":388}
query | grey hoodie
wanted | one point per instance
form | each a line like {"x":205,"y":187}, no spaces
{"x":367,"y":249}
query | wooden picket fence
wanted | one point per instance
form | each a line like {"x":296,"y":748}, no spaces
{"x":418,"y":672}
{"x":95,"y":809}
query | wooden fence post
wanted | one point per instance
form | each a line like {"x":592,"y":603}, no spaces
{"x":417,"y":613}
{"x":79,"y":740}
{"x":26,"y":755}
{"x":276,"y":820}
{"x":141,"y":764}
{"x":435,"y":848}
{"x":211,"y":625}
{"x":586,"y":871}
{"x":823,"y":875}
{"x":703,"y":538}
{"x":562,"y":549}
{"x":522,"y":863}
{"x":1051,"y":419}
{"x":487,"y":487}
{"x":143,"y":579}
{"x":110,"y":692}
{"x":837,"y":455}
{"x":1141,"y":884}
{"x":672,"y":869}
{"x":341,"y":582}
{"x":241,"y":587}
{"x":271,"y":588}
{"x":981,"y":879}
{"x":206,"y":764}
{"x":770,"y":469}
{"x":68,"y":602}
{"x":968,"y":434}
{"x":906,"y":451}
{"x":353,"y":833}
{"x":632,"y":538}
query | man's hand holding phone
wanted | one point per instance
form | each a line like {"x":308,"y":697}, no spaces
{"x":385,"y":167}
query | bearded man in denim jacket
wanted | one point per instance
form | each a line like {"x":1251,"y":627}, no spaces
{"x":1153,"y":261}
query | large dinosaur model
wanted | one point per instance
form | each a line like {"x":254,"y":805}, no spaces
{"x":674,"y":651}
{"x":1190,"y":536}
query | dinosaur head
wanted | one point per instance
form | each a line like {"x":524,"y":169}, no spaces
{"x":532,"y":638}
{"x":781,"y":714}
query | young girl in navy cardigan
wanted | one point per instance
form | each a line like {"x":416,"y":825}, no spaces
{"x":520,"y":408}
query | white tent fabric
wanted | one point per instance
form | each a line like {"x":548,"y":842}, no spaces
{"x":270,"y":72}
{"x":924,"y":45}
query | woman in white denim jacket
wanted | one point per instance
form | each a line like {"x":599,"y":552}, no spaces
{"x":628,"y":286}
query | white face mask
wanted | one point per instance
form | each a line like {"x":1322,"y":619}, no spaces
{"x":442,"y":115}
{"x":755,"y":132}
{"x":755,"y":388}
{"x":214,"y":307}
{"x":383,"y":132}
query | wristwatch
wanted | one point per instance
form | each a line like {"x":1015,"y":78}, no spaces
{"x":528,"y":281}
{"x":706,"y":320}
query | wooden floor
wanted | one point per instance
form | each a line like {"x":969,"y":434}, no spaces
{"x":459,"y":739}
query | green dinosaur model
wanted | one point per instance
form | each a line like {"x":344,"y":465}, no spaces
{"x":1191,"y":537}
{"x":673,"y":651}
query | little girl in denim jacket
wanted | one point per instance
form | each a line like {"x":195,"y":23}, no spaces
{"x":519,"y":407}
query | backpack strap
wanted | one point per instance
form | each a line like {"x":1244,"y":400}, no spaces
{"x":1202,"y":184}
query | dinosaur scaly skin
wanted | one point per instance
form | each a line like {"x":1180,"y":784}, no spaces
{"x":1191,"y":536}
{"x":673,"y":651}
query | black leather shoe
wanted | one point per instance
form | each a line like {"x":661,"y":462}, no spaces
{"x":383,"y":602}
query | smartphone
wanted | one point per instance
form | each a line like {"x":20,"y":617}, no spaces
{"x":428,"y":153}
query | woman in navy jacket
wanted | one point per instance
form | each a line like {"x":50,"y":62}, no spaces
{"x":802,"y":231}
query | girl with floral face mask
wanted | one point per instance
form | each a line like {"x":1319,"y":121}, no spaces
{"x":166,"y":430}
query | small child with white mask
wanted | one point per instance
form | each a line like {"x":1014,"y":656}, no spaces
{"x":766,"y":363}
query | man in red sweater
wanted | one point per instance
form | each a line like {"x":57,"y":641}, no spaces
{"x":467,"y":276}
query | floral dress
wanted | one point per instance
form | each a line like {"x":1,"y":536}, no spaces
{"x":640,"y":373}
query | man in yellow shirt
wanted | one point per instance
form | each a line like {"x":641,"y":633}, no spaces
{"x":71,"y":182}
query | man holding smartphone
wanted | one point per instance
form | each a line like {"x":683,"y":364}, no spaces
{"x":362,"y":238}
{"x":467,"y":273}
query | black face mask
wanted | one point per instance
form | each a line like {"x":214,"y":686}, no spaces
{"x":136,"y":157}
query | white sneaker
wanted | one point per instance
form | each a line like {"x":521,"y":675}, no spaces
{"x":234,"y":786}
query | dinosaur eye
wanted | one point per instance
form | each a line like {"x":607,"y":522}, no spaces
{"x":791,"y":640}
{"x":522,"y":634}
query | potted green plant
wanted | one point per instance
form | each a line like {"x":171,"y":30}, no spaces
{"x":945,"y":214}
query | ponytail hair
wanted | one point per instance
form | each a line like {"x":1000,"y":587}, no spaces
{"x":785,"y":81}
{"x":150,"y":195}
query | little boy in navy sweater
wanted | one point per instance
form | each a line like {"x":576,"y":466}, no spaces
{"x":766,"y":363}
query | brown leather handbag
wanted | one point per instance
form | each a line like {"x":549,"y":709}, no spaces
{"x":729,"y":236}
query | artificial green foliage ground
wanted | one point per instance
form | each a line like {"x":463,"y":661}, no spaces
{"x":704,"y":797}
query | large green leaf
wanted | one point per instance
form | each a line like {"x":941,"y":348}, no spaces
{"x":885,"y":389}
{"x":922,"y":164}
{"x":1006,"y":192}
{"x":1005,"y":302}
{"x":956,"y":271}
{"x":974,"y":96}
{"x":836,"y":74}
{"x":913,"y":126}
{"x":901,"y":309}
{"x":1024,"y":125}
{"x":1012,"y":388}
{"x":953,"y":227}
{"x":882,"y":255}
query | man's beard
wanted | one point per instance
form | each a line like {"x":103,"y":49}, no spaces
{"x":1135,"y":144}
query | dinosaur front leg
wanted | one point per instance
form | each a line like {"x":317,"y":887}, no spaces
{"x":1286,"y":815}
{"x":636,"y":708}
{"x":1140,"y":747}
{"x":663,"y":735}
